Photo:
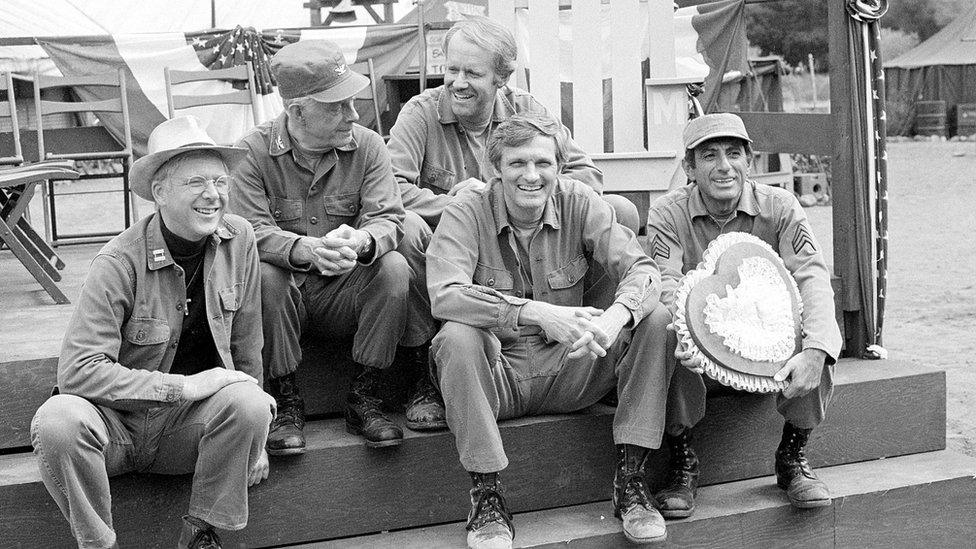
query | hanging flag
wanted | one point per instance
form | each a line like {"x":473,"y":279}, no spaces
{"x":144,"y":56}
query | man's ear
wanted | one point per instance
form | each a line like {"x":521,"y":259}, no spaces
{"x":159,"y":192}
{"x":500,"y":82}
{"x":689,"y":171}
{"x":295,"y":110}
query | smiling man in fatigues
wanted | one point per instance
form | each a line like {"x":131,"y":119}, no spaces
{"x":680,"y":225}
{"x":505,"y":273}
{"x":160,"y":368}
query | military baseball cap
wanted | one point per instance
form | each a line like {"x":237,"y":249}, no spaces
{"x":710,"y":126}
{"x":316,"y":69}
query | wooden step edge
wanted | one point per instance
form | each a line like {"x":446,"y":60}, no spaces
{"x":596,"y":519}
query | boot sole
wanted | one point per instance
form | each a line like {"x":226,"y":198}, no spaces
{"x":813,"y":504}
{"x":427,"y":426}
{"x":286,"y":451}
{"x":372,"y":444}
{"x":676,"y":514}
{"x":645,"y":541}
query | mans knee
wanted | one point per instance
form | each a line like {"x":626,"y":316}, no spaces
{"x":245,"y":404}
{"x":392,"y":274}
{"x":626,"y":211}
{"x":59,"y":423}
{"x":275,"y":286}
{"x":416,"y":234}
{"x":455,"y":346}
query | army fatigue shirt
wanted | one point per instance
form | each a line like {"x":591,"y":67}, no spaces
{"x":679,"y":229}
{"x":121,"y":340}
{"x":474,"y":273}
{"x":284,"y":200}
{"x":430,"y":152}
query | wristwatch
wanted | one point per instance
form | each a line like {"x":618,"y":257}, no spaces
{"x":366,"y":250}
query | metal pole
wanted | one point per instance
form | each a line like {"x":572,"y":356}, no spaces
{"x":813,"y":79}
{"x":213,"y":14}
{"x":422,"y":39}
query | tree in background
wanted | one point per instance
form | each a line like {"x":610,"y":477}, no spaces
{"x":795,"y":28}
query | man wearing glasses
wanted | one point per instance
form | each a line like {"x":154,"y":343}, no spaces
{"x":340,"y":260}
{"x":160,"y":370}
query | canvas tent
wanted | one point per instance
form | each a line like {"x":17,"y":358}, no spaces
{"x":941,"y":68}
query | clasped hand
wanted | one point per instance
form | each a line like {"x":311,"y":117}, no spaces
{"x":585,"y":330}
{"x":335,"y":253}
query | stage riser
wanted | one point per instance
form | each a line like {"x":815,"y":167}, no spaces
{"x":340,"y":488}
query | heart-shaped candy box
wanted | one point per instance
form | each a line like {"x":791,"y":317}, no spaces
{"x":739,"y":313}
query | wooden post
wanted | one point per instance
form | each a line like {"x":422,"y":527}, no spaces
{"x":844,"y":177}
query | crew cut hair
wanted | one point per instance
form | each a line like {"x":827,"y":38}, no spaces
{"x":490,"y":36}
{"x":518,"y":131}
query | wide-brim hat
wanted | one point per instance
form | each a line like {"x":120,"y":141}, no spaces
{"x":712,"y":126}
{"x":172,"y":138}
{"x":316,"y":69}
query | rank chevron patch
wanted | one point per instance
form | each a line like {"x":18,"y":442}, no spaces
{"x":659,"y":248}
{"x":801,"y":238}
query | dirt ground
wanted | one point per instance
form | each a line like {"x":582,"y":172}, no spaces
{"x":931,"y":308}
{"x":931,"y":301}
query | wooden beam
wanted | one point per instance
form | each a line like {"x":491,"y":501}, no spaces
{"x":802,"y":133}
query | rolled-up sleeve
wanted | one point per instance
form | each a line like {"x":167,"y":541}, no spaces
{"x":88,"y":366}
{"x":617,"y":249}
{"x":451,"y":260}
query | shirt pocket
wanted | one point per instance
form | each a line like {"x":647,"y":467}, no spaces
{"x":496,"y":279}
{"x":287,"y":213}
{"x":342,"y":208}
{"x":438,"y":180}
{"x":230,"y":302}
{"x":144,"y":343}
{"x":566,"y":282}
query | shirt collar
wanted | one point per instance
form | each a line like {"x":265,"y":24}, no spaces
{"x":747,"y":201}
{"x":158,"y":254}
{"x":496,"y":197}
{"x":504,"y":109}
{"x":281,"y":141}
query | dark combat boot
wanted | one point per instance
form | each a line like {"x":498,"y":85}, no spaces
{"x":286,"y":436}
{"x":364,"y":415}
{"x":197,"y":534}
{"x":794,"y":474}
{"x":677,"y":499}
{"x":642,"y":523}
{"x":425,"y":406}
{"x":489,"y":522}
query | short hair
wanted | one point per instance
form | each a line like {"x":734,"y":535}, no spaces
{"x":690,"y":153}
{"x":165,"y":172}
{"x":519,"y":130}
{"x":490,"y":36}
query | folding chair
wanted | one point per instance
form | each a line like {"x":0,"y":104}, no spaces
{"x":240,"y":74}
{"x":85,"y":143}
{"x":370,"y":93}
{"x":32,"y":251}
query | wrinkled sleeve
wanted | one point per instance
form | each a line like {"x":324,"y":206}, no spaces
{"x":408,"y":144}
{"x":617,"y":249}
{"x":451,"y":260}
{"x":247,"y":336}
{"x":249,"y":199}
{"x":664,"y":247}
{"x":802,"y":255}
{"x":88,"y":366}
{"x":381,"y":210}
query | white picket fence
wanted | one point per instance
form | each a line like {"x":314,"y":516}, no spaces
{"x":594,"y":41}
